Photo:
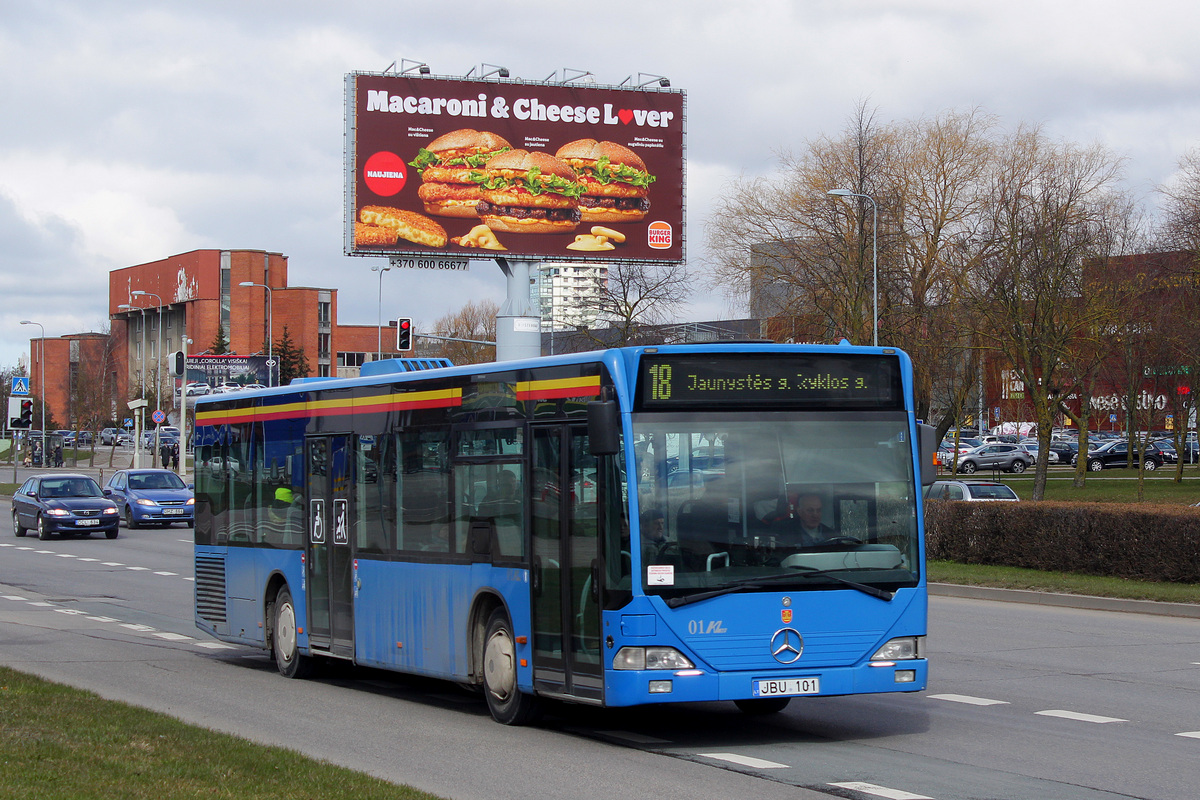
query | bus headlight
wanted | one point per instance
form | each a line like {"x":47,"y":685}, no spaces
{"x":903,"y":648}
{"x":651,"y":658}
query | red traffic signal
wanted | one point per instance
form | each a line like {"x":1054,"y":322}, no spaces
{"x":404,"y":334}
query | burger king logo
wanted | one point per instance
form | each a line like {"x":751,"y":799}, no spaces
{"x":658,"y":235}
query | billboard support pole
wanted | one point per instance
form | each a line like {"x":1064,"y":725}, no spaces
{"x":518,"y":325}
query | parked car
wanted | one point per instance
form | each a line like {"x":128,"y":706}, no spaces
{"x":1007,"y":457}
{"x":151,"y":496}
{"x":115,"y":436}
{"x":1167,"y":448}
{"x":194,"y":389}
{"x":1032,"y":446}
{"x":1115,"y":454}
{"x":969,"y":490}
{"x":1065,"y":450}
{"x":65,"y":504}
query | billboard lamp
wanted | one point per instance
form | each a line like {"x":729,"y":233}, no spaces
{"x":407,"y":65}
{"x":647,"y":78}
{"x":488,"y":70}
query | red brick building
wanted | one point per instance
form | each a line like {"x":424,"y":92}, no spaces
{"x":154,"y":306}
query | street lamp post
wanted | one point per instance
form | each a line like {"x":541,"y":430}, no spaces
{"x":380,"y":268}
{"x":41,"y":382}
{"x":157,"y":347}
{"x":874,"y":257}
{"x":137,"y":442}
{"x":270,"y":331}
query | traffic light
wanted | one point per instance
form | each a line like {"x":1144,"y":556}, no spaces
{"x":24,"y":415}
{"x":177,"y":365}
{"x":404,"y":334}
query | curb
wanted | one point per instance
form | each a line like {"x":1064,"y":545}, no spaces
{"x":1087,"y":602}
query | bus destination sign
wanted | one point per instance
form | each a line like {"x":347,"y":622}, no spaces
{"x":778,"y":380}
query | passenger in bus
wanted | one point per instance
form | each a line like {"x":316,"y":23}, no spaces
{"x":654,"y":535}
{"x":505,"y":489}
{"x":800,"y":523}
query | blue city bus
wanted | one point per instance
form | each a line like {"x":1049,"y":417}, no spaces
{"x":729,"y":521}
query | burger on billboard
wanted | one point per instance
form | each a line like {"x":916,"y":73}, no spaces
{"x":450,"y":167}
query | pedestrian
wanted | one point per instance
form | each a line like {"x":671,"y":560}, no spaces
{"x":175,"y":456}
{"x":58,"y":456}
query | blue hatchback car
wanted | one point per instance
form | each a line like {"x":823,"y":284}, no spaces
{"x":151,"y":497}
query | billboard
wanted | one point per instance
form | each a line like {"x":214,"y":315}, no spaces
{"x":215,"y":370}
{"x":440,"y":170}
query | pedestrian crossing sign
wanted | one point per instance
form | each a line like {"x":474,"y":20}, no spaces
{"x":20,"y":386}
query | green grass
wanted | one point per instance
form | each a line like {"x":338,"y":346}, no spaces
{"x":62,"y":743}
{"x":1063,"y":582}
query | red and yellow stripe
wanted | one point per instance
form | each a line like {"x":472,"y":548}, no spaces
{"x":405,"y":401}
{"x":587,"y":386}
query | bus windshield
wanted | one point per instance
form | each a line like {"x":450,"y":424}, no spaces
{"x":726,"y":500}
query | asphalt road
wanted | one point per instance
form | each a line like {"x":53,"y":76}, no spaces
{"x":1025,"y":701}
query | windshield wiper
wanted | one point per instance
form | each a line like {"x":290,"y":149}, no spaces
{"x":760,"y":583}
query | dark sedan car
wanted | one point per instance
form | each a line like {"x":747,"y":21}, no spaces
{"x":151,"y":496}
{"x":64,"y":504}
{"x":1115,"y":454}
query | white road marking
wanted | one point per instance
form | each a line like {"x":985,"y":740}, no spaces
{"x":1079,"y":717}
{"x":89,"y":559}
{"x":880,"y":791}
{"x":24,"y":548}
{"x":215,"y":645}
{"x":188,"y":578}
{"x":139,"y":569}
{"x":745,"y":761}
{"x":45,"y":552}
{"x":13,"y":597}
{"x":1190,"y":734}
{"x":973,"y":701}
{"x":64,"y":555}
{"x":136,"y":627}
{"x":173,"y":637}
{"x":166,"y":573}
{"x":113,"y":564}
{"x":41,"y":604}
{"x":103,"y":619}
{"x":74,"y":612}
{"x":636,"y":738}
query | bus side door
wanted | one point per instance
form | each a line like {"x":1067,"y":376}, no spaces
{"x":565,"y":554}
{"x":329,"y":562}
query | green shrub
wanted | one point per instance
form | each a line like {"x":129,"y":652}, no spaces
{"x":1136,"y":542}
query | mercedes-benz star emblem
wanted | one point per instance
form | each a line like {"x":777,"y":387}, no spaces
{"x":786,"y":645}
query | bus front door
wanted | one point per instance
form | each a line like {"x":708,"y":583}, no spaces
{"x":566,"y":618}
{"x":328,"y":557}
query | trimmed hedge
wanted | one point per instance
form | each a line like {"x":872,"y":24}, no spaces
{"x":1136,"y":542}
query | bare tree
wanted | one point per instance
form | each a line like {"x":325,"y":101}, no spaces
{"x":633,"y":298}
{"x":476,"y":321}
{"x":1048,"y":206}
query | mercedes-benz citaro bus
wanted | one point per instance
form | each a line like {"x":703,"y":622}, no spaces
{"x":729,"y":521}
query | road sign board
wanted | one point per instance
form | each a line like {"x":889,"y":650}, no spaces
{"x":20,"y":386}
{"x":128,"y":422}
{"x":159,"y":417}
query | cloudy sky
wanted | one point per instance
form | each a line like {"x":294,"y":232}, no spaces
{"x":131,"y":131}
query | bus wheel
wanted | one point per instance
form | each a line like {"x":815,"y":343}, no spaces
{"x":762,"y":705}
{"x":289,"y":660}
{"x":506,"y":702}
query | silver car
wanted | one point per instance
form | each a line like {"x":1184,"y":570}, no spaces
{"x":1006,"y":457}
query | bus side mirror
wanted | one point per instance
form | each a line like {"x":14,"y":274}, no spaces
{"x":927,"y":451}
{"x":604,"y":428}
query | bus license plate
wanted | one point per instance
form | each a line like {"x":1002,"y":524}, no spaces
{"x":87,"y":522}
{"x":787,"y":686}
